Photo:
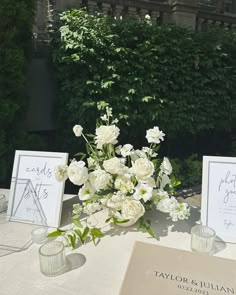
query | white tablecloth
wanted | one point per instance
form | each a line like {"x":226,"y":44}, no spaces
{"x":95,"y":270}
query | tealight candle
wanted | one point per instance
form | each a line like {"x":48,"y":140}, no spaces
{"x":202,"y":239}
{"x":39,"y":234}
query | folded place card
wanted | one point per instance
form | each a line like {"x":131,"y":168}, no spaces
{"x":156,"y":270}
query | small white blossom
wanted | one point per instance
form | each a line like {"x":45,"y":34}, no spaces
{"x":126,"y":150}
{"x":60,"y":172}
{"x":78,"y":129}
{"x":143,"y":191}
{"x":154,"y":135}
{"x":86,"y":192}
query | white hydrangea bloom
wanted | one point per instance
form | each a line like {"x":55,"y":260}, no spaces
{"x":77,"y":209}
{"x":181,"y":212}
{"x":91,"y":208}
{"x":124,"y":183}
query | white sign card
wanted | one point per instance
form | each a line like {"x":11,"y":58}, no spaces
{"x":219,"y":196}
{"x":35,"y":195}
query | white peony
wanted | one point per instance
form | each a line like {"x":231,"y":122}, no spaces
{"x":143,"y":191}
{"x":166,"y":166}
{"x":132,"y":210}
{"x":99,"y":179}
{"x":154,"y":135}
{"x":143,"y":168}
{"x":114,"y":166}
{"x":77,"y":172}
{"x":86,"y":192}
{"x":106,"y":135}
{"x":126,"y":150}
{"x":124,"y":183}
{"x":78,"y":129}
{"x":60,"y":172}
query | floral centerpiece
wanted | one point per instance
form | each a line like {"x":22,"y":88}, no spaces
{"x":124,"y":181}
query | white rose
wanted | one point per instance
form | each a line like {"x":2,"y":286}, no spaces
{"x":143,"y":168}
{"x":132,"y":210}
{"x":114,"y":166}
{"x":60,"y":172}
{"x":126,"y":150}
{"x":77,"y":172}
{"x":166,"y":166}
{"x":77,"y":129}
{"x":86,"y":192}
{"x":106,"y":134}
{"x":154,"y":135}
{"x":99,"y":179}
{"x":137,"y":154}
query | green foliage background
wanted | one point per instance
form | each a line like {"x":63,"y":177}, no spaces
{"x":16,"y":19}
{"x":151,"y":75}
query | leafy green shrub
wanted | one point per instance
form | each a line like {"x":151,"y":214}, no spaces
{"x":161,"y":75}
{"x":16,"y":19}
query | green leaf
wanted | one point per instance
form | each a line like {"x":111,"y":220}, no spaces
{"x":96,"y":233}
{"x":85,"y":233}
{"x":77,"y":222}
{"x":56,"y":233}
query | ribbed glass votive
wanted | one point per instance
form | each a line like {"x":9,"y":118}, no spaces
{"x":52,"y":258}
{"x":39,"y":234}
{"x":3,"y":203}
{"x":203,"y":239}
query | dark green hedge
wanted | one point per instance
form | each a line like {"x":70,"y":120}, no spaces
{"x":16,"y":18}
{"x":179,"y":80}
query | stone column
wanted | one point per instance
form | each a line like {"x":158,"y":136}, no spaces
{"x":184,"y":12}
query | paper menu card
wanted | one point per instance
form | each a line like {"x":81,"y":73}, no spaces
{"x":156,"y":270}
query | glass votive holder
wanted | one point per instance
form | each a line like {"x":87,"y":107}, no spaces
{"x":52,"y":258}
{"x":202,"y":239}
{"x":39,"y":234}
{"x":3,"y":203}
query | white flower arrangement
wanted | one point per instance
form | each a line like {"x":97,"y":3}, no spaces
{"x":119,"y":179}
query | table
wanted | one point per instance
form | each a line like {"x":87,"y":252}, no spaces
{"x":95,"y":270}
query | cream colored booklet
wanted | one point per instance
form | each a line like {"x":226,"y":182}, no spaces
{"x":156,"y":270}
